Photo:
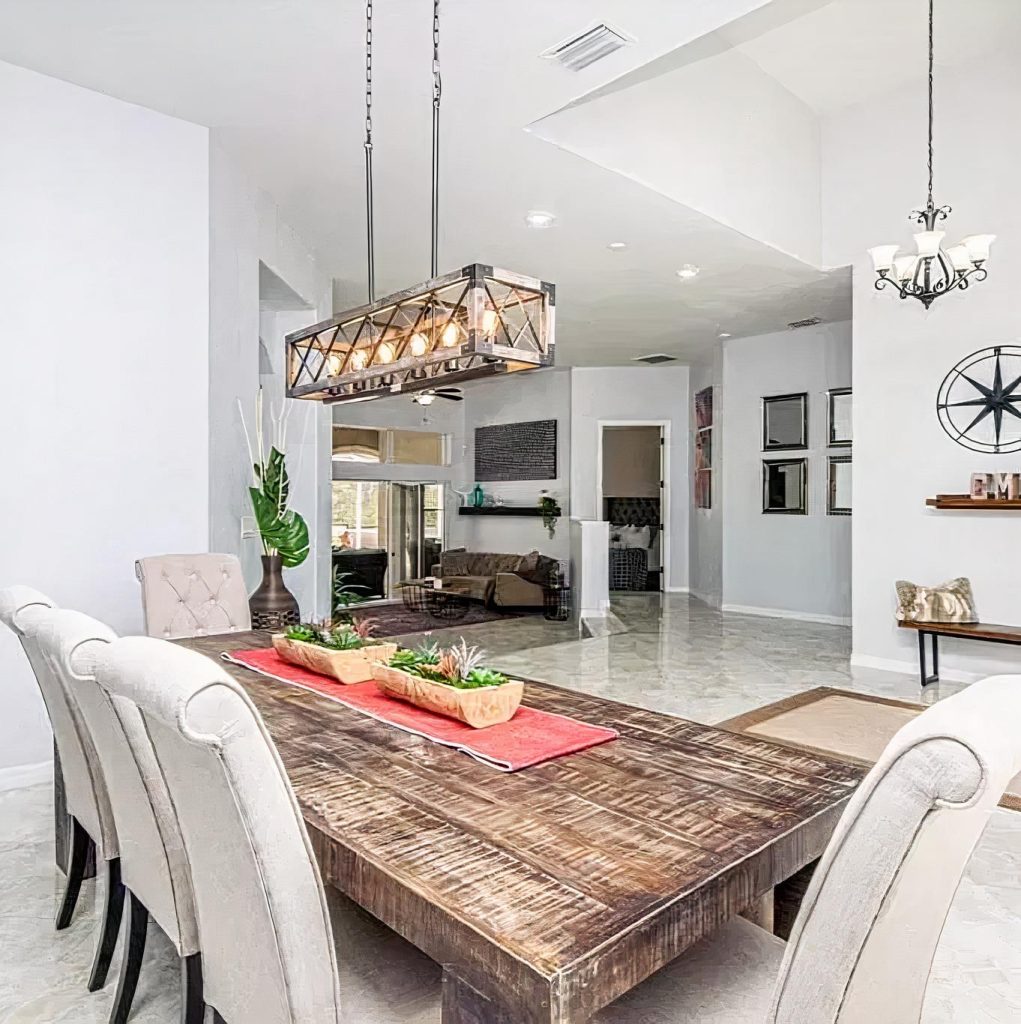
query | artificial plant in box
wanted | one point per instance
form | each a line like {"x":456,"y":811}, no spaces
{"x":451,"y":682}
{"x":344,"y":651}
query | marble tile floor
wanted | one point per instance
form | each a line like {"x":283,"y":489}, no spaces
{"x":676,"y":656}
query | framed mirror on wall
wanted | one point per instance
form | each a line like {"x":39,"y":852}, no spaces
{"x":838,"y":500}
{"x":784,"y":422}
{"x":838,"y":418}
{"x":784,"y":487}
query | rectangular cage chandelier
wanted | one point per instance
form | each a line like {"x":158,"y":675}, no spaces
{"x":478,"y":321}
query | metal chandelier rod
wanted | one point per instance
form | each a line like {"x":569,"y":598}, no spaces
{"x":931,"y":108}
{"x":437,"y":93}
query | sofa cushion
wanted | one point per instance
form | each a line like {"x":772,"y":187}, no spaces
{"x":477,"y":563}
{"x":478,"y":588}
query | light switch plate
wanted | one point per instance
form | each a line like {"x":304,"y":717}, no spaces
{"x":249,"y":527}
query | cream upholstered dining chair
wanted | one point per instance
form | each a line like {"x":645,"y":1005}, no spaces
{"x":153,"y":864}
{"x":864,"y":940}
{"x":91,"y":821}
{"x":268,"y":955}
{"x":193,"y":595}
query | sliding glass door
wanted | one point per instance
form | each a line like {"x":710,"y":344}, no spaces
{"x":386,"y":532}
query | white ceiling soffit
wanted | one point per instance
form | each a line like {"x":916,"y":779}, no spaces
{"x":281,"y":86}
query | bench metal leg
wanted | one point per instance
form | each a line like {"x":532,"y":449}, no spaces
{"x":925,"y":677}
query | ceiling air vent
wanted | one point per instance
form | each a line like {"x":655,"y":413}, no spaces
{"x":658,"y":357}
{"x":809,"y":321}
{"x":586,"y":49}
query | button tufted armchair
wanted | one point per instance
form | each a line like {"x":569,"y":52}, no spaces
{"x":193,"y":595}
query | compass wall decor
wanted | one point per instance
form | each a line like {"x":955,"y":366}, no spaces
{"x":978,"y":400}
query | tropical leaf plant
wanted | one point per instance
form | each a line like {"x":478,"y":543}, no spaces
{"x":283,"y":531}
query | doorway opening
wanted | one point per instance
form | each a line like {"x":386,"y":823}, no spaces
{"x":632,"y":498}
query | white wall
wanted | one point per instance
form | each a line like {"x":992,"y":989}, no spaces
{"x":533,"y":395}
{"x":799,"y":565}
{"x":693,"y":134}
{"x":874,"y":173}
{"x":246,"y":229}
{"x":633,"y":393}
{"x":104,"y":260}
{"x":706,"y":526}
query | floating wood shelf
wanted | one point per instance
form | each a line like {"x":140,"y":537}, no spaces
{"x":966,"y":503}
{"x":502,"y":510}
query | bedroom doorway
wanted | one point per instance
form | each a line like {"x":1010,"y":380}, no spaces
{"x":632,"y":497}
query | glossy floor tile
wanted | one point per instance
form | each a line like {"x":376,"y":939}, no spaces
{"x":676,"y":656}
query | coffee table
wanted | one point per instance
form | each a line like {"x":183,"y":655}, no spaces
{"x":439,"y":602}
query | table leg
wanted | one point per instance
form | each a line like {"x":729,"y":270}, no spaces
{"x":463,"y":1004}
{"x":787,"y":897}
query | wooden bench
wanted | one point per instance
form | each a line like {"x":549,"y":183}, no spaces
{"x":987,"y":631}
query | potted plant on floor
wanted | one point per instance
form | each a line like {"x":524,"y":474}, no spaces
{"x":284,"y":533}
{"x":451,"y":682}
{"x":345,"y":652}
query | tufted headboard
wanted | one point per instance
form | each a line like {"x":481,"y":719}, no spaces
{"x":633,"y":512}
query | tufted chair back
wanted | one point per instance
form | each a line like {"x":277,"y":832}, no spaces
{"x":264,"y":927}
{"x":193,"y":595}
{"x":22,"y":609}
{"x":863,"y":943}
{"x":153,"y":862}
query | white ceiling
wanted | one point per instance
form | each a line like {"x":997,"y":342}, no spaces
{"x":280,"y":82}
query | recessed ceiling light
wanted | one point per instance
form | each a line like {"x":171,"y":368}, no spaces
{"x":688,"y":270}
{"x":617,"y":246}
{"x":539,"y":219}
{"x":724,"y":334}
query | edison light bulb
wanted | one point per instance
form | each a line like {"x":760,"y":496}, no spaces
{"x":489,"y":321}
{"x":385,"y":353}
{"x":419,"y":344}
{"x":451,"y":335}
{"x":358,"y":359}
{"x":333,"y":365}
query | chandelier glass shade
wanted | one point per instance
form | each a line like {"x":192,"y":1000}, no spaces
{"x":931,"y":271}
{"x":478,"y":321}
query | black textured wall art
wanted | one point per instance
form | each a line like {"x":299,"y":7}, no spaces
{"x":517,"y":451}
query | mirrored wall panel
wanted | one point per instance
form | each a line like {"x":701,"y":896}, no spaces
{"x":838,"y":502}
{"x":839,"y":418}
{"x":784,"y":422}
{"x":784,"y":487}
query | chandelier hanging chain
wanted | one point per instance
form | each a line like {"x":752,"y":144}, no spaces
{"x":437,"y":94}
{"x":931,"y":108}
{"x":933,"y":271}
{"x":369,"y":230}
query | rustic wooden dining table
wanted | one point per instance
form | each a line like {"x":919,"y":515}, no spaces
{"x":547,"y":893}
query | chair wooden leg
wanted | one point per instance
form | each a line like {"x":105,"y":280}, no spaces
{"x":193,"y":1007}
{"x":131,"y":964}
{"x":81,"y":844}
{"x":112,"y":913}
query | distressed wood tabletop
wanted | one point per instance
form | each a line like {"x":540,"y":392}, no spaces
{"x":548,"y":893}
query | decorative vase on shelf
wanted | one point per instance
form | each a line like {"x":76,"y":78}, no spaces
{"x":272,"y":605}
{"x":478,"y":497}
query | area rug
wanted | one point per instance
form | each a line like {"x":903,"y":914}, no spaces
{"x":529,"y":738}
{"x":855,"y":727}
{"x":396,"y":620}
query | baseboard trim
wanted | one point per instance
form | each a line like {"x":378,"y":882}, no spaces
{"x":677,"y":590}
{"x":706,"y":599}
{"x":21,"y":776}
{"x":910,"y":668}
{"x":783,"y":613}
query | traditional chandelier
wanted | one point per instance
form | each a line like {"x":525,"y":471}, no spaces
{"x":478,"y":321}
{"x":932,"y":271}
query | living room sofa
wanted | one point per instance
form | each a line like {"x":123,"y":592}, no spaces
{"x":502,"y":580}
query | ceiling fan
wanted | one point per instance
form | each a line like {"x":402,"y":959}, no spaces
{"x":431,"y":394}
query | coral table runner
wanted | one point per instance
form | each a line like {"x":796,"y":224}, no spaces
{"x":529,"y":738}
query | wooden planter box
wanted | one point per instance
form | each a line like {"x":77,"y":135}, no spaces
{"x":345,"y":666}
{"x":488,"y":705}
